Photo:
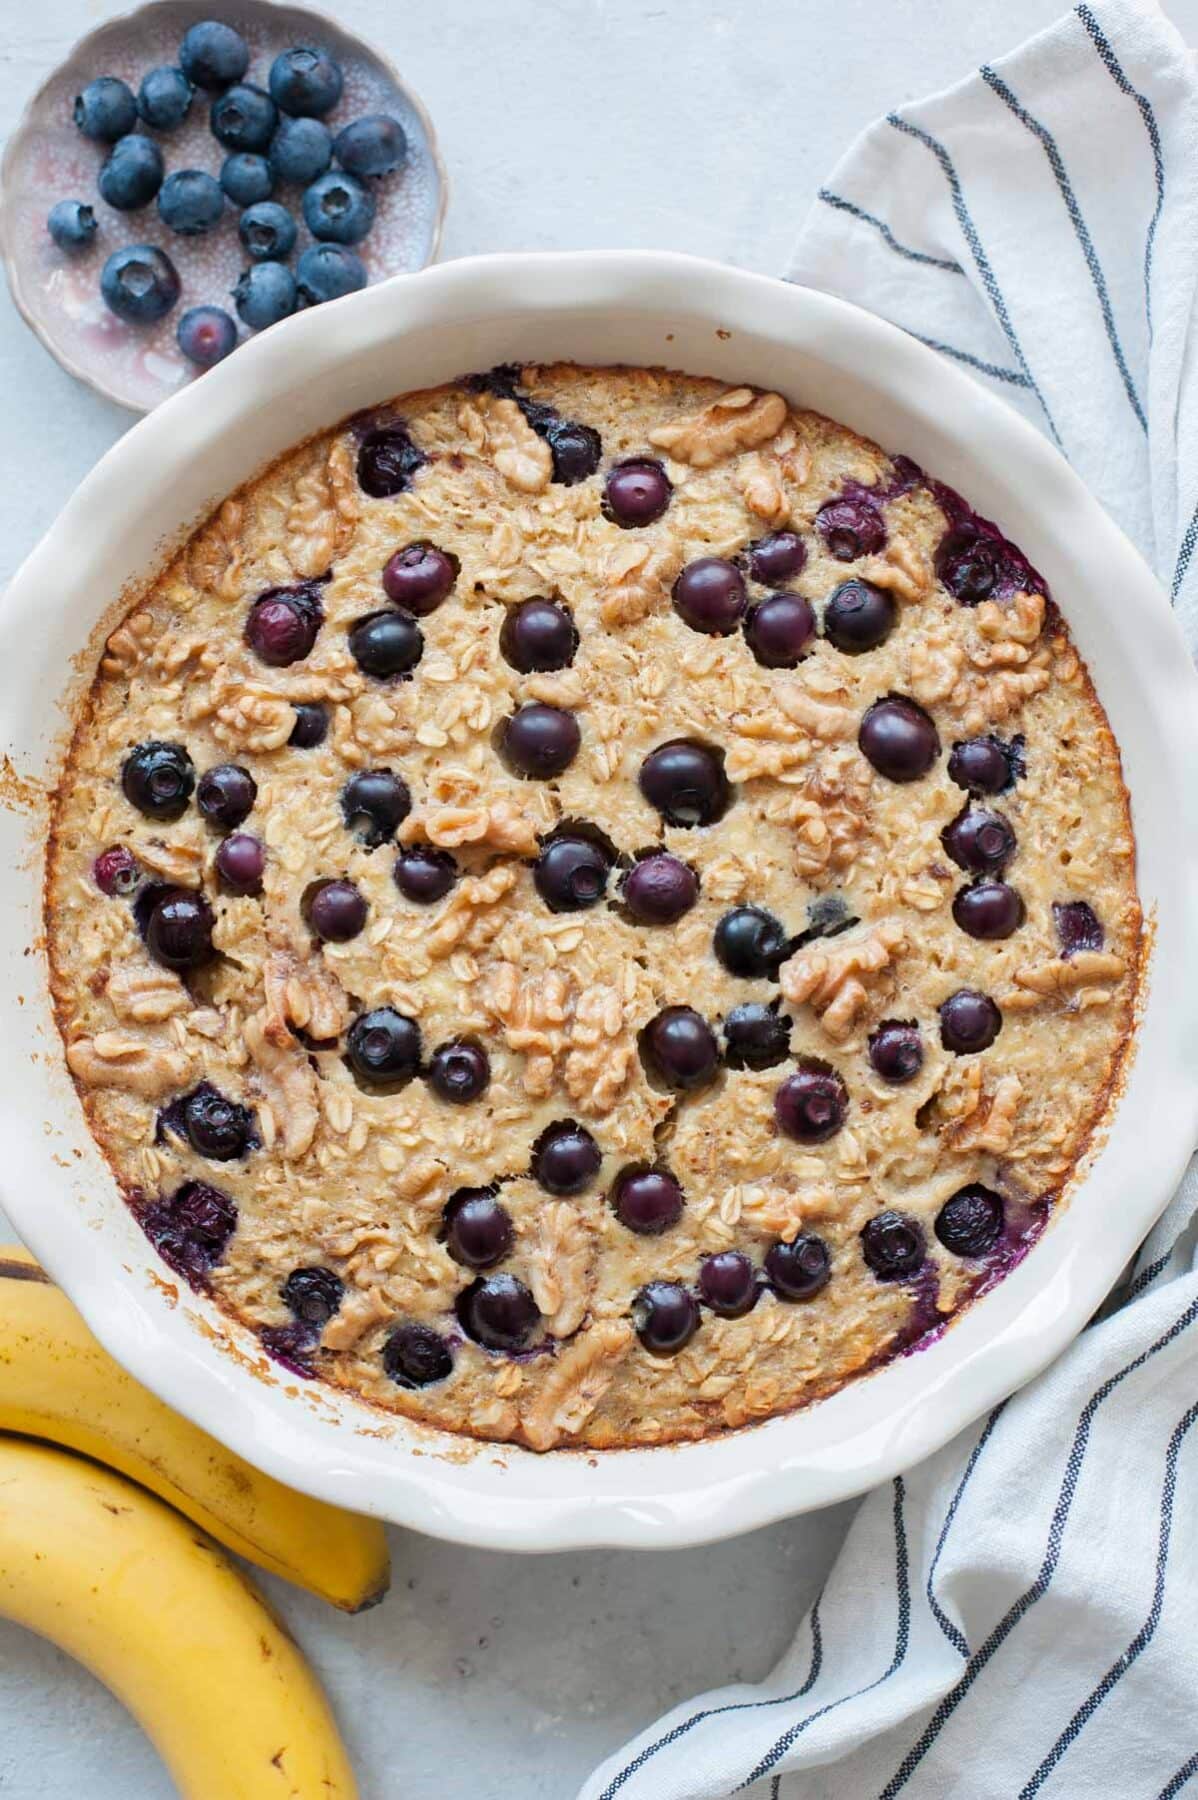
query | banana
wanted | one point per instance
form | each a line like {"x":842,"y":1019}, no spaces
{"x":57,"y":1383}
{"x":152,"y":1607}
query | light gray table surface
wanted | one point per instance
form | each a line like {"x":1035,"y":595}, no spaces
{"x":566,"y":124}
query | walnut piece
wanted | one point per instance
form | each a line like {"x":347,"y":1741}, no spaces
{"x":990,"y":1123}
{"x":560,"y":1261}
{"x":826,"y":810}
{"x":323,"y":514}
{"x":181,"y":863}
{"x":241,"y":714}
{"x":548,"y":1019}
{"x":738,"y":420}
{"x":144,"y":994}
{"x":828,"y":976}
{"x":129,"y":643}
{"x":127,"y":1060}
{"x":358,"y":1313}
{"x":636,"y":582}
{"x":783,"y":1212}
{"x":472,"y":914}
{"x":1019,"y":619}
{"x":533,"y":1017}
{"x":214,"y":557}
{"x":576,"y":1384}
{"x":603,"y":1053}
{"x":305,"y":994}
{"x":500,"y":824}
{"x":497,"y":427}
{"x":287,"y":1083}
{"x":1064,"y":975}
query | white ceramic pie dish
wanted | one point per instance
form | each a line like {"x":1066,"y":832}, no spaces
{"x":147,"y":494}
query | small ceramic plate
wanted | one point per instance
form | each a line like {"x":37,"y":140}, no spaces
{"x":48,"y":159}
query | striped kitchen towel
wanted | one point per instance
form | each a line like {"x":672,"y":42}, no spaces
{"x":1016,"y":1616}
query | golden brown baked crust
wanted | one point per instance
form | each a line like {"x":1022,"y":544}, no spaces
{"x":354,"y":1179}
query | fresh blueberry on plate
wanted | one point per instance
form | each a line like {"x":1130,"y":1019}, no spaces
{"x":267,"y":231}
{"x":264,"y":294}
{"x":246,"y":178}
{"x":306,"y":81}
{"x":326,"y":271}
{"x":206,"y":335}
{"x":72,"y":225}
{"x":164,"y":98}
{"x":106,"y":109}
{"x":338,"y":209}
{"x":190,"y":202}
{"x":375,"y":145}
{"x":213,"y":55}
{"x":300,"y":150}
{"x":131,"y":173}
{"x":243,"y":117}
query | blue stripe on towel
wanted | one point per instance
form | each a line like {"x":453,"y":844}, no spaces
{"x":1043,"y":1581}
{"x":1184,"y":553}
{"x":1013,"y":376}
{"x":955,"y":1636}
{"x":969,"y":229}
{"x":840,"y":204}
{"x":1049,"y":145}
{"x":1111,"y":63}
{"x":902,"y":1639}
{"x":1147,"y":1630}
{"x":1174,"y":1787}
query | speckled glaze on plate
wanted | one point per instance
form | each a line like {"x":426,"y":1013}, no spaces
{"x":48,"y":159}
{"x":145,"y":497}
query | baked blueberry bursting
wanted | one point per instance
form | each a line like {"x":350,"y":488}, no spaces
{"x":777,"y":557}
{"x":665,"y":1315}
{"x":850,"y":527}
{"x":636,"y":492}
{"x":190,"y":1229}
{"x":158,"y":779}
{"x":969,"y":1223}
{"x":894,"y":1246}
{"x":1077,"y":926}
{"x":969,"y":1022}
{"x":647,"y":1201}
{"x":116,"y":872}
{"x":659,"y":889}
{"x":498,"y":1312}
{"x":571,"y":873}
{"x":756,"y":1037}
{"x":383,"y":1047}
{"x":811,"y":1105}
{"x":799,"y":1269}
{"x":217,"y":1127}
{"x":477,"y":1230}
{"x":420,"y":577}
{"x":416,"y":1356}
{"x":313,"y":1294}
{"x":565,"y":1159}
{"x":459,"y":1072}
{"x":751,"y":943}
{"x":226,"y":795}
{"x":685,"y":781}
{"x":896,"y":1051}
{"x":728,"y":1284}
{"x":985,"y":765}
{"x":387,"y":461}
{"x":283,"y":624}
{"x":679,"y":1049}
{"x":424,"y":875}
{"x":374,"y":803}
{"x":538,"y":635}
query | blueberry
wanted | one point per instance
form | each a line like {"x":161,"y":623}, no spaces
{"x":498,"y":1312}
{"x":779,"y":631}
{"x":1077,"y":926}
{"x":416,"y":1356}
{"x":338,"y":209}
{"x":989,"y":910}
{"x":728,"y":1284}
{"x":374,"y":145}
{"x":243,"y":117}
{"x":679,"y":1048}
{"x":387,"y":460}
{"x":665,"y":1315}
{"x":540,"y":741}
{"x":709,"y":596}
{"x":116,"y":872}
{"x":571,"y":873}
{"x":798,"y":1270}
{"x":896,"y":1051}
{"x":311,"y":725}
{"x":685,"y":781}
{"x":164,"y":98}
{"x":213,"y":55}
{"x":106,"y":109}
{"x":565,"y":1158}
{"x":241,"y":863}
{"x":979,"y":841}
{"x":859,"y":617}
{"x":419,"y":577}
{"x":326,"y":272}
{"x":313,"y":1294}
{"x":647,"y":1201}
{"x":301,"y":150}
{"x":893,"y":1245}
{"x":374,"y":803}
{"x":576,"y":449}
{"x":216,"y":1127}
{"x":337,"y":911}
{"x":976,"y":562}
{"x":850,"y":528}
{"x":898,"y":738}
{"x":158,"y":779}
{"x":139,"y":284}
{"x":384,"y":644}
{"x":131,"y":173}
{"x":72,"y":225}
{"x":424,"y":875}
{"x":970,"y":1221}
{"x":246,"y":179}
{"x":750,"y":942}
{"x":659,"y":889}
{"x":178,"y":929}
{"x":538,"y":635}
{"x":777,"y":557}
{"x":476,"y":1228}
{"x":206,"y":335}
{"x":981,"y":765}
{"x":283,"y":624}
{"x":811,"y":1105}
{"x":267,"y":231}
{"x":969,"y":1022}
{"x":756,"y":1037}
{"x":383,"y":1046}
{"x":459,"y":1072}
{"x":264,"y":293}
{"x":305,"y":81}
{"x":190,"y":202}
{"x":190,"y":1228}
{"x":226,"y":795}
{"x":636,"y":492}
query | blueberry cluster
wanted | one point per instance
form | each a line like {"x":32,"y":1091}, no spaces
{"x":271,"y":135}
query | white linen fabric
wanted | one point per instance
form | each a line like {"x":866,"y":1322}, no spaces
{"x":1016,"y":1616}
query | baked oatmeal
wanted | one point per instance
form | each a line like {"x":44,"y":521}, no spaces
{"x":589,"y":907}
